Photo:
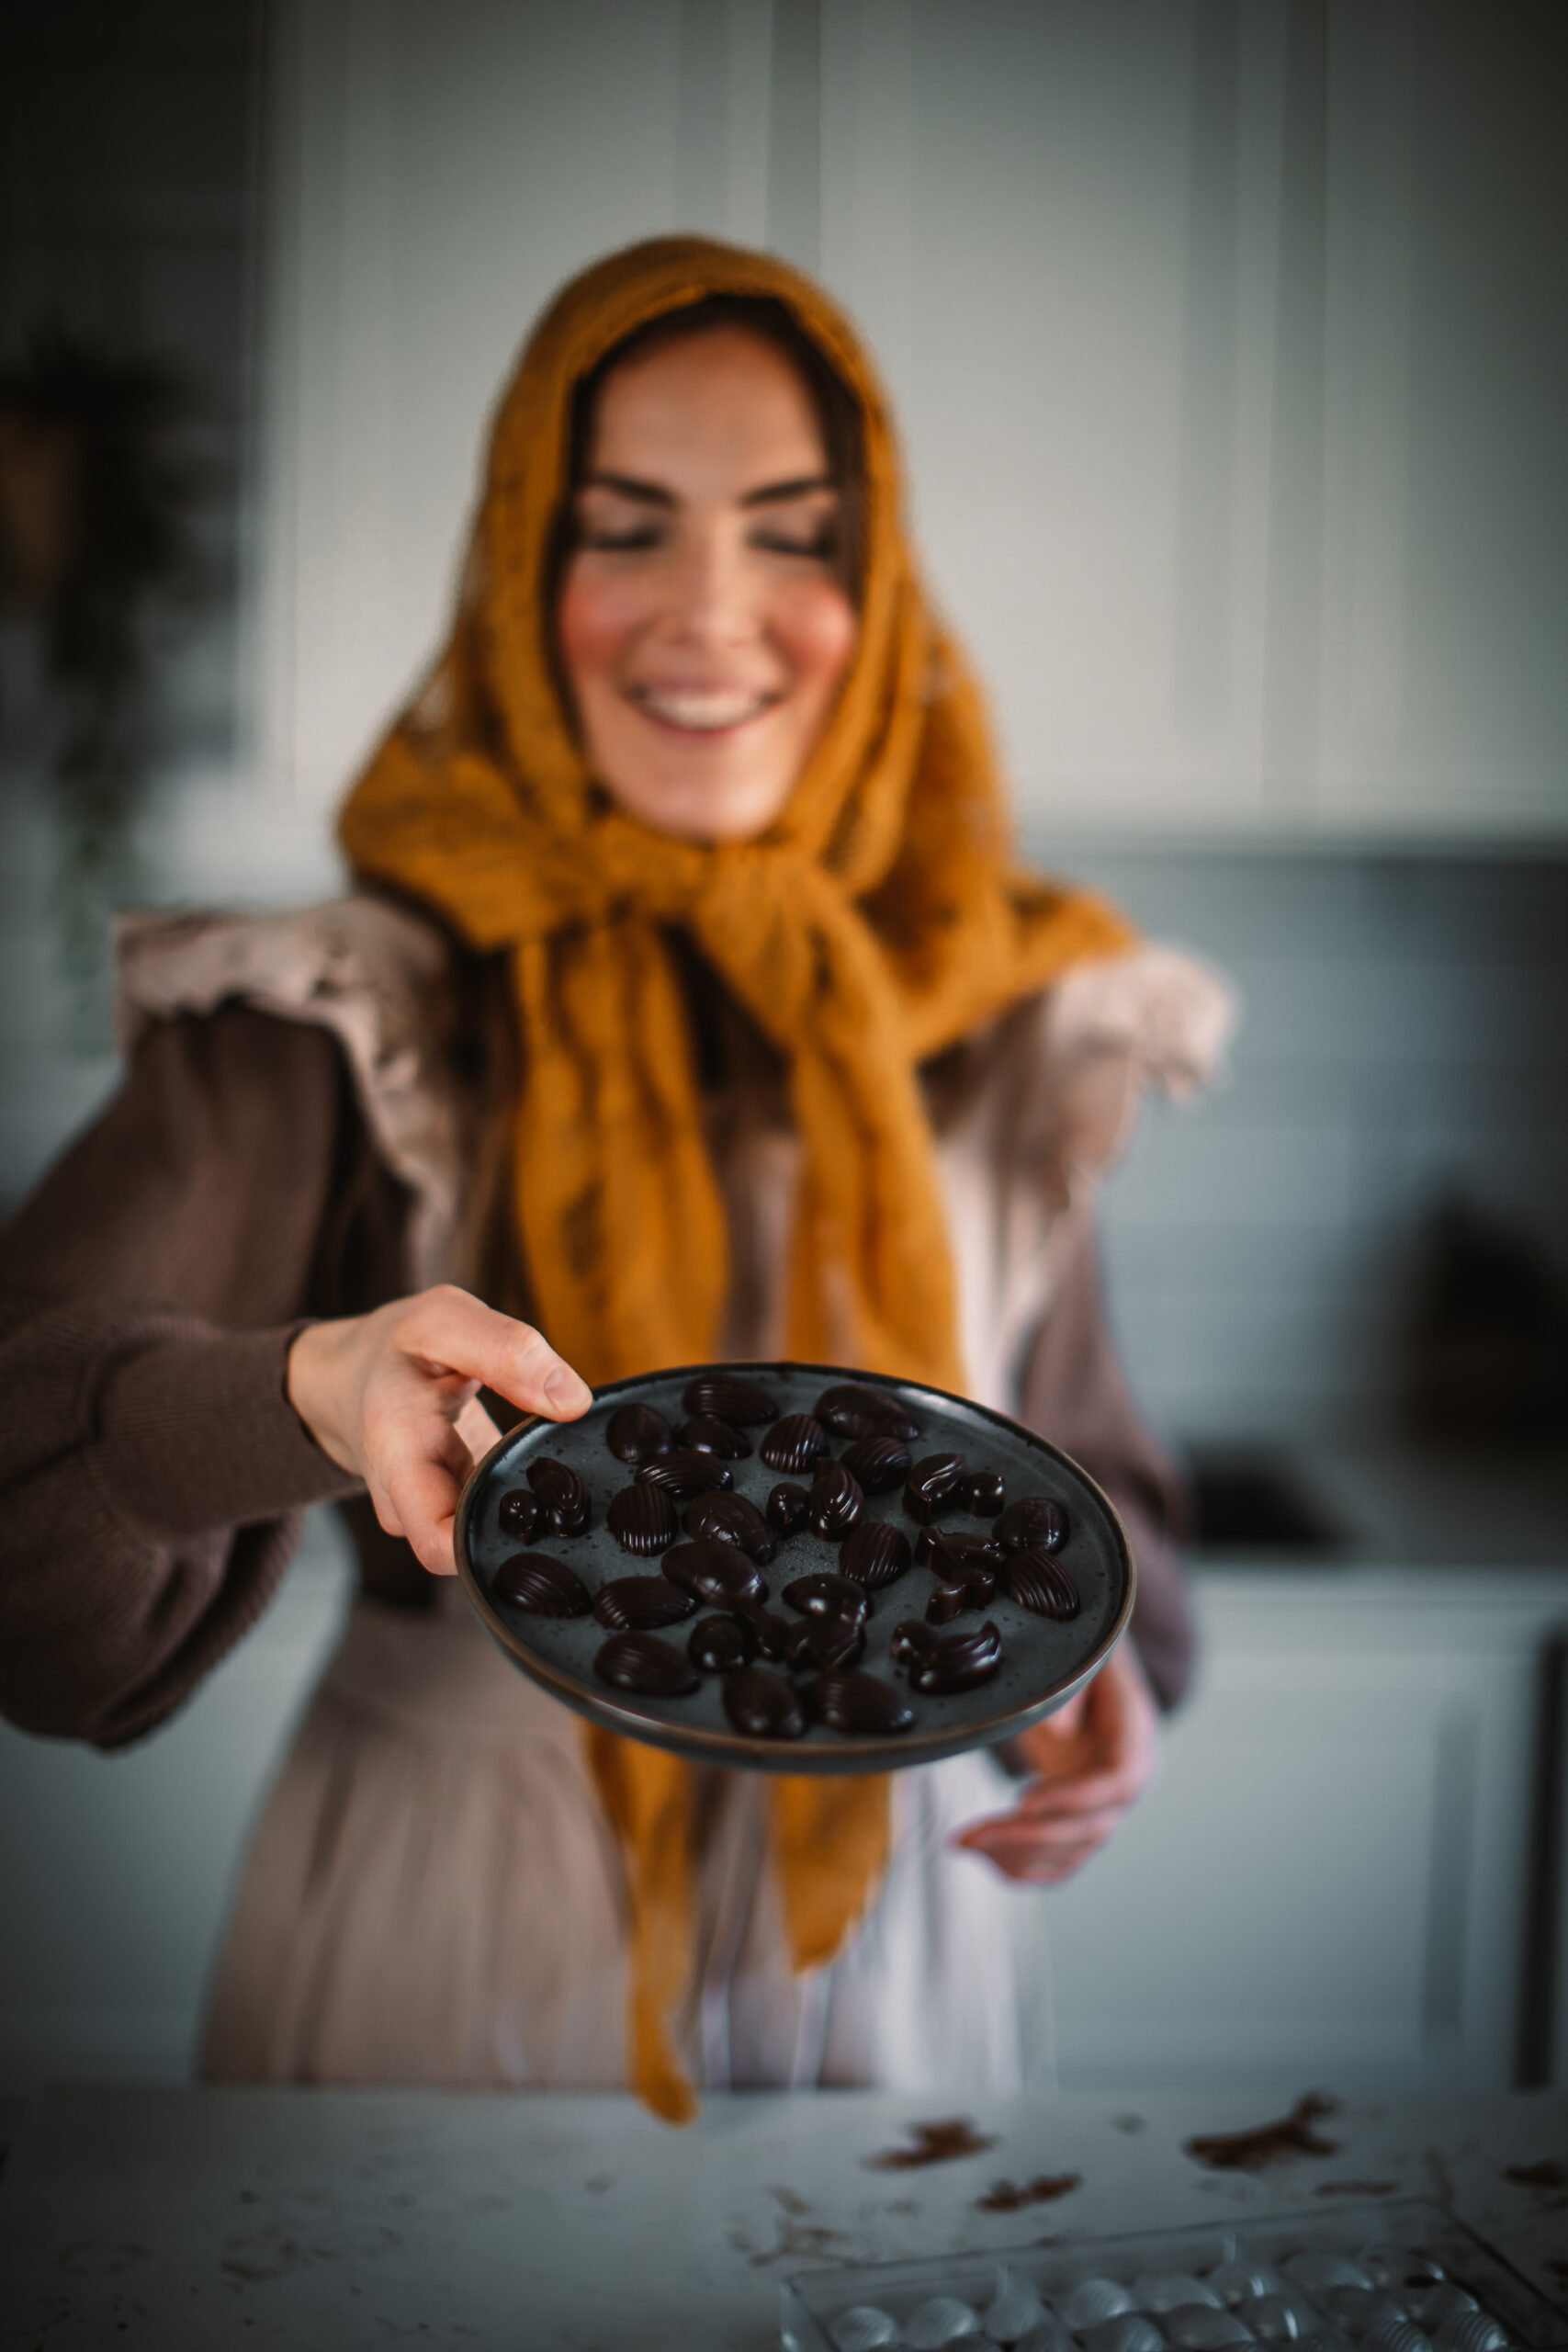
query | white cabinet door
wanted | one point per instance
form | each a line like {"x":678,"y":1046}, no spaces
{"x":1327,"y":1883}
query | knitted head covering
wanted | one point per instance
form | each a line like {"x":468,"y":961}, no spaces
{"x":878,"y":920}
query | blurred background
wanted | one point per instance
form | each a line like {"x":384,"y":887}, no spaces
{"x":1230,"y":340}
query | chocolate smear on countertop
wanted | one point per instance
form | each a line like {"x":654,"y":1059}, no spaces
{"x":1011,"y":2197}
{"x":935,"y":2144}
{"x":1268,"y":2144}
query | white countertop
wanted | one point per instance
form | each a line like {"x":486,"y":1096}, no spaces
{"x":205,"y":2219}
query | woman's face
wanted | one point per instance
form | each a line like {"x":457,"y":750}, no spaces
{"x":703,"y":627}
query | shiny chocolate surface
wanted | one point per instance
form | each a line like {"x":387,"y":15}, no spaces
{"x":731,"y":1396}
{"x":718,"y":1575}
{"x":642,"y":1520}
{"x":733,"y":1518}
{"x":637,"y":1604}
{"x":762,"y":1705}
{"x":637,"y":1432}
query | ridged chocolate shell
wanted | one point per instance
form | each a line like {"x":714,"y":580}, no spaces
{"x":982,"y":1494}
{"x":544,"y":1587}
{"x":1036,"y":1581}
{"x":910,"y":1640}
{"x":718,"y":1575}
{"x":522,"y":1514}
{"x":932,"y":1486}
{"x":853,"y":1409}
{"x":860,"y":1704}
{"x":719,"y":1645}
{"x":762,"y":1705}
{"x":879,"y":1463}
{"x":637,"y":1432}
{"x":786,"y":1508}
{"x":732,"y":1397}
{"x":834,"y":1503}
{"x":684,"y":1474}
{"x":1038,"y":1522}
{"x":794,"y":1443}
{"x":826,"y":1595}
{"x":771,"y":1633}
{"x":710,"y":1435}
{"x":876,"y":1553}
{"x":731,"y":1519}
{"x":562,"y":1492}
{"x":642,"y":1520}
{"x":958,"y":1661}
{"x":819,"y":1645}
{"x":636,"y":1604}
{"x":641,"y":1662}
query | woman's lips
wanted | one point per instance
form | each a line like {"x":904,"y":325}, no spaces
{"x":701,"y":710}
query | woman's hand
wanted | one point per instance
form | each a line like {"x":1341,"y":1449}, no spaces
{"x":394,"y":1398}
{"x":1092,"y":1760}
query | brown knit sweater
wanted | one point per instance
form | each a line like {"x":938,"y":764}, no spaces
{"x":152,"y":1472}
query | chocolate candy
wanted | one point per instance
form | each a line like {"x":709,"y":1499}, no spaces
{"x":956,"y":1661}
{"x":860,"y":1704}
{"x":637,"y":1434}
{"x":1036,"y":1581}
{"x":975,"y":1562}
{"x":1033,"y":1519}
{"x":718,"y":1644}
{"x":879,"y":1463}
{"x":876,"y":1553}
{"x":544,"y":1586}
{"x":910,"y":1640}
{"x":834,"y":1503}
{"x":563,"y":1494}
{"x":521,"y":1514}
{"x":730,"y":1519}
{"x":932,"y":1486}
{"x":788,"y":1508}
{"x":715,"y":1574}
{"x":819,"y":1644}
{"x":945,"y":1602}
{"x":826,"y":1595}
{"x":710,"y":1435}
{"x":853,"y":1409}
{"x":684,"y":1474}
{"x":982,"y":1494}
{"x":762,"y":1705}
{"x":732,"y":1397}
{"x":636,"y":1604}
{"x":770,"y":1633}
{"x":642,"y":1520}
{"x":641,"y":1662}
{"x":794,"y":1443}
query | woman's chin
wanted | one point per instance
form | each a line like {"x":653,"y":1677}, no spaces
{"x":714,"y":809}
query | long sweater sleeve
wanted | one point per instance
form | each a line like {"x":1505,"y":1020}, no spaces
{"x":153,"y":1473}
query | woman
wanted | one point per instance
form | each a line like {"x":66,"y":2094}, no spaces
{"x":690,"y":1006}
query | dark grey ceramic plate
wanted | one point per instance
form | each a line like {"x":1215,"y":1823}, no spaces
{"x":1042,"y":1662}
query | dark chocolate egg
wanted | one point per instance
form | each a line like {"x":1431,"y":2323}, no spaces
{"x":786,"y":1508}
{"x":718,"y":1644}
{"x":826,"y":1595}
{"x":684,"y":1474}
{"x":710,"y":1435}
{"x":521,"y":1514}
{"x":546,"y":1587}
{"x":732,"y":1397}
{"x":876,"y":1553}
{"x":770,"y":1633}
{"x":982,"y":1494}
{"x":1036,"y":1581}
{"x":932,"y":1486}
{"x":794,"y":1443}
{"x":1037,"y":1520}
{"x":957,"y":1661}
{"x":637,"y":1432}
{"x":762,"y":1705}
{"x":730,"y":1519}
{"x":642,"y":1520}
{"x":879,"y":1463}
{"x":718,"y":1575}
{"x":562,"y":1492}
{"x":641,"y":1662}
{"x":834,"y":1503}
{"x":861,"y":1704}
{"x":636,"y":1604}
{"x":817,"y":1643}
{"x":853,"y":1409}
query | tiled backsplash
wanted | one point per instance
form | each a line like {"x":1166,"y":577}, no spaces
{"x":1405,"y":1034}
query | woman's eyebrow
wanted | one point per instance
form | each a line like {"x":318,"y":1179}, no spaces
{"x":647,"y":493}
{"x":775,"y":493}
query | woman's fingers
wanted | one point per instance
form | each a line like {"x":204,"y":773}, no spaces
{"x":456,"y":1334}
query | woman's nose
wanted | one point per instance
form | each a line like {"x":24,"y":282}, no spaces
{"x":713,"y":599}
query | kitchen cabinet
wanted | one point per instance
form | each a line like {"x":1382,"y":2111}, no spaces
{"x":1231,"y":345}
